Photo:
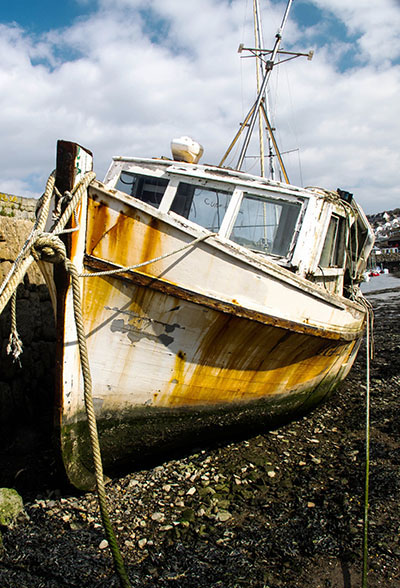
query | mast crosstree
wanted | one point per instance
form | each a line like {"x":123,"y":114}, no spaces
{"x":260,"y":107}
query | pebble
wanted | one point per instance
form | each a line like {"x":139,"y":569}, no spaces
{"x":223,"y":515}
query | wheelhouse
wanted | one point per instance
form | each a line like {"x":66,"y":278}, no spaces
{"x":272,"y":220}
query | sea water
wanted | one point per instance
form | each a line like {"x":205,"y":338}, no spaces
{"x":381,"y":282}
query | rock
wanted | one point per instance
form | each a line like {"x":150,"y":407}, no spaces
{"x":11,"y":507}
{"x":188,"y":515}
{"x":223,"y":515}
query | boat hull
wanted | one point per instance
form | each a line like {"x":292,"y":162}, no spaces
{"x":183,"y":351}
{"x":229,"y":375}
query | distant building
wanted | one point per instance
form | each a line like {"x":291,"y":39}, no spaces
{"x":389,"y":245}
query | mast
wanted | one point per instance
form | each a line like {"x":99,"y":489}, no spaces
{"x":261,"y":108}
{"x":268,"y":69}
{"x":258,"y":43}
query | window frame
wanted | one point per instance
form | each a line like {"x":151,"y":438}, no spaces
{"x":142,"y":177}
{"x":206,"y":184}
{"x":269,"y":197}
{"x":337,"y":252}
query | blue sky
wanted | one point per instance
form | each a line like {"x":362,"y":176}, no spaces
{"x":125,"y":77}
{"x":38,"y":16}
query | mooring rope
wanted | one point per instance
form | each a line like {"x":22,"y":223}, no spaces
{"x":48,"y":247}
{"x":94,"y":437}
{"x":369,"y":353}
{"x":24,"y":259}
{"x":14,"y":346}
{"x":149,"y":261}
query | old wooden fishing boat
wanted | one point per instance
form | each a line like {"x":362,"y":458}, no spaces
{"x":243,"y":307}
{"x":234,"y":302}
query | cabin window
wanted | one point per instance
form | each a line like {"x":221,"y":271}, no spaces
{"x":333,"y":250}
{"x":204,"y":206}
{"x":266,"y":225}
{"x":358,"y":239}
{"x":148,"y":189}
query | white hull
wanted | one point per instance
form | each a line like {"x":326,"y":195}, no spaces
{"x":211,"y":337}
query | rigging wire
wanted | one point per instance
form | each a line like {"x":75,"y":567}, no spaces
{"x":291,"y":122}
{"x":300,"y":168}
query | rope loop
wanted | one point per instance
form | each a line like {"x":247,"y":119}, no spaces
{"x":49,"y":247}
{"x":14,"y":346}
{"x":62,"y":201}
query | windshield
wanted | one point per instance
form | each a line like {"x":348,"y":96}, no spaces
{"x":148,"y":189}
{"x":204,"y":206}
{"x":266,"y":225}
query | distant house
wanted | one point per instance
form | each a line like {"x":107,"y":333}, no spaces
{"x":390,"y":245}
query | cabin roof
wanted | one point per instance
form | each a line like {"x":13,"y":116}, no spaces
{"x":225,"y":174}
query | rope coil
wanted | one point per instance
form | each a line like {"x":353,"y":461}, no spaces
{"x":49,"y":247}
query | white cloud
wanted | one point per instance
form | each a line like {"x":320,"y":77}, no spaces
{"x":128,"y":78}
{"x":377,"y":24}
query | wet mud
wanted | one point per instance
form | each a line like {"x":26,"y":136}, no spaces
{"x":282,"y":508}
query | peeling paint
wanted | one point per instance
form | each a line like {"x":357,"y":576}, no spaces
{"x":165,"y":339}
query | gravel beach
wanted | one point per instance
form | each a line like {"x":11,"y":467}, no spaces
{"x":284,"y":508}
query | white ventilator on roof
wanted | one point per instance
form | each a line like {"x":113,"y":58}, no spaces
{"x":186,"y":149}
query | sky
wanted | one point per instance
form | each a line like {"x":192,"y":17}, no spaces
{"x":125,"y":77}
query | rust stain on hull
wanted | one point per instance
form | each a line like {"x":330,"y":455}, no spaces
{"x":124,"y":237}
{"x":222,"y":359}
{"x":207,"y":352}
{"x":238,"y":361}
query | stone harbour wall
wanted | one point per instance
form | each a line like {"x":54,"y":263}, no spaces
{"x":17,"y":207}
{"x":27,"y":386}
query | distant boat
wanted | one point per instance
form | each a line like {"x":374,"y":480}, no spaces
{"x":253,"y":318}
